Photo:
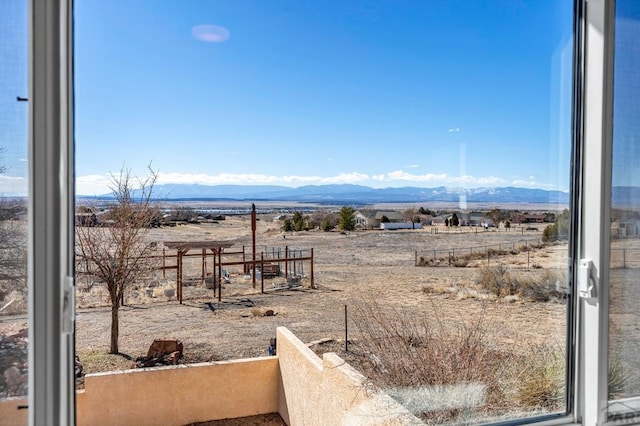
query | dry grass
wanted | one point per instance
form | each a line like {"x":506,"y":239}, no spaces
{"x":454,"y":367}
{"x":500,"y":281}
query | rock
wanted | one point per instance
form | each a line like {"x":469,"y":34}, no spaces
{"x":164,"y":347}
{"x":269,"y":313}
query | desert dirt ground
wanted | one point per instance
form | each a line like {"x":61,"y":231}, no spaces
{"x":353,"y":269}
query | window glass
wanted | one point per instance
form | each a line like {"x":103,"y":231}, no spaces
{"x":14,"y":115}
{"x":624,"y":340}
{"x":409,"y":166}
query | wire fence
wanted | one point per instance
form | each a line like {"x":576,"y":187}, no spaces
{"x":623,"y":258}
{"x":460,"y":256}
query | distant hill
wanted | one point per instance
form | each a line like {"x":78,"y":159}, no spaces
{"x":355,"y":194}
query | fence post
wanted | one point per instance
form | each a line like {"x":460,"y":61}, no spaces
{"x":346,"y":330}
{"x":624,"y":258}
{"x":261,"y":273}
{"x":313,"y":286}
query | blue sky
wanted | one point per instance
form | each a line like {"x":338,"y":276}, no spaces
{"x":384,"y":93}
{"x":14,"y":115}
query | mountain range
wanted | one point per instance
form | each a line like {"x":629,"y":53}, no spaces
{"x":355,"y":194}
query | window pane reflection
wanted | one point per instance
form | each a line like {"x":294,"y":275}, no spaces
{"x":13,"y":202}
{"x":624,"y":316}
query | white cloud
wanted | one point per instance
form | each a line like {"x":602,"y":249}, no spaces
{"x":93,"y":184}
{"x":13,"y":185}
{"x":454,"y":130}
{"x":532,"y":183}
{"x":210,"y":33}
{"x":412,"y":166}
{"x":401,"y":175}
{"x":259,"y":179}
{"x":441,"y":179}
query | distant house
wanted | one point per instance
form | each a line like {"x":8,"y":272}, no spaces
{"x":438,"y":220}
{"x":393,"y":216}
{"x":533,"y":218}
{"x":362,"y":221}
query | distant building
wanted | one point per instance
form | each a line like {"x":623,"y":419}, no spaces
{"x":625,"y":228}
{"x":393,"y":216}
{"x":362,"y":221}
{"x":400,"y":225}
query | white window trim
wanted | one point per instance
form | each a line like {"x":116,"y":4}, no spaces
{"x":593,"y":405}
{"x":50,"y":262}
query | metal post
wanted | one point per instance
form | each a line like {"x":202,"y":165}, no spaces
{"x":346,"y":330}
{"x":215,"y":266}
{"x":312,"y":280}
{"x":262,"y":272}
{"x":286,"y":261}
{"x":204,"y":256}
{"x":219,"y":250}
{"x":179,"y":277}
{"x":253,"y":240}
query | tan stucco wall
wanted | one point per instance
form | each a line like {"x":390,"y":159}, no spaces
{"x":329,"y":391}
{"x":9,"y":413}
{"x":180,"y":395}
{"x":303,"y":388}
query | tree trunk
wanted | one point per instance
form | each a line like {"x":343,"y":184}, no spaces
{"x":114,"y":328}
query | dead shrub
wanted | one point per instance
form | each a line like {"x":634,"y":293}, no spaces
{"x":498,"y":280}
{"x":618,"y":377}
{"x":404,"y":354}
{"x":460,"y":262}
{"x":404,"y":351}
{"x":541,"y":378}
{"x":549,"y":286}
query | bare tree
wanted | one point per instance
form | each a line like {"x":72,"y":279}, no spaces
{"x":13,"y":249}
{"x":117,"y":252}
{"x":410,"y":215}
{"x":13,"y":254}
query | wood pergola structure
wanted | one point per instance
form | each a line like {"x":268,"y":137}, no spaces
{"x":216,"y":247}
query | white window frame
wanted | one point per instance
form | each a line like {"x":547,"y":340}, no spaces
{"x":51,"y":201}
{"x":51,"y":232}
{"x":594,"y":408}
